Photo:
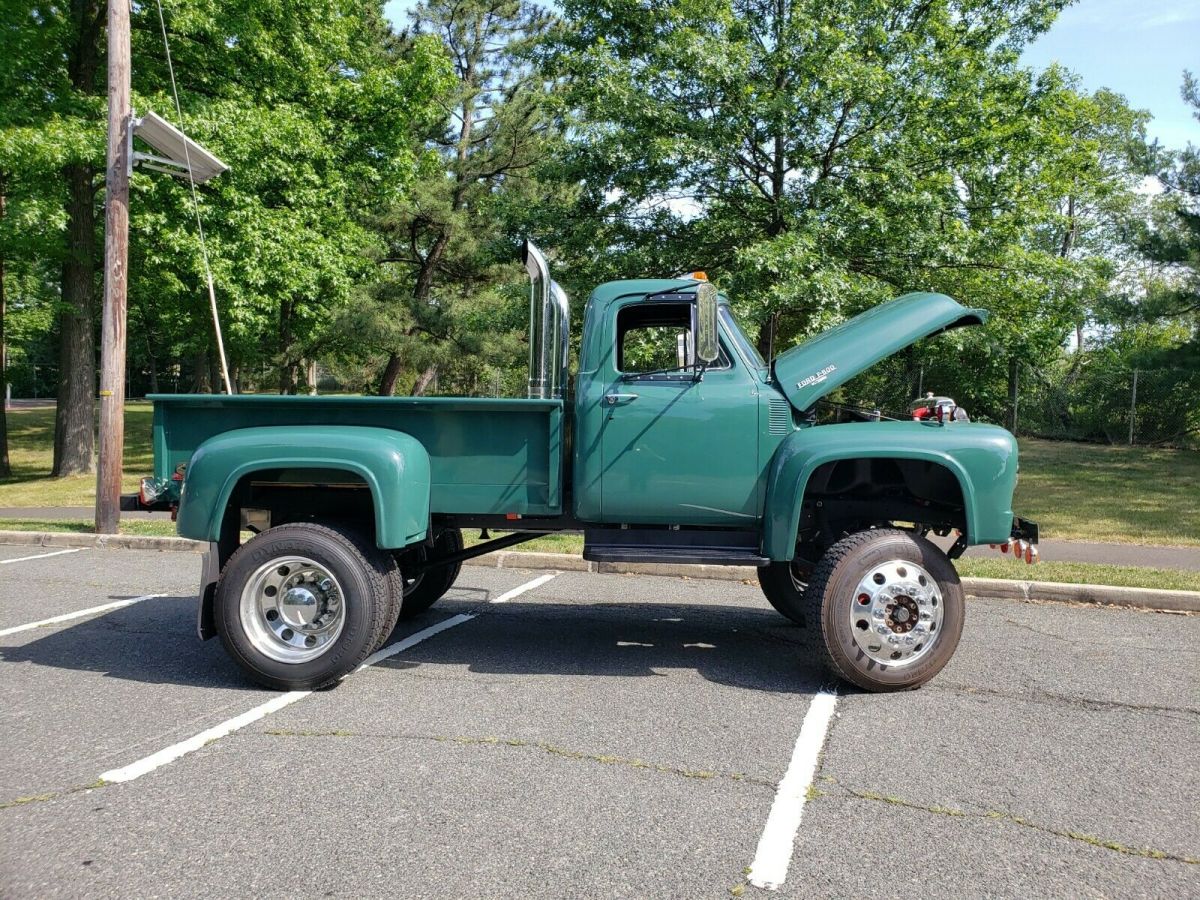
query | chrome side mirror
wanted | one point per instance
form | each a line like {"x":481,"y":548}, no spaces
{"x":707,"y":349}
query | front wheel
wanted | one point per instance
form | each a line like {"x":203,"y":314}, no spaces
{"x":890,"y":609}
{"x":302,"y":605}
{"x":784,"y":584}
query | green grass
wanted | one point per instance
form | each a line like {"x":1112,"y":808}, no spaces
{"x":152,"y":527}
{"x":1129,"y":495}
{"x":1079,"y":573}
{"x":31,"y":453}
{"x":1083,"y":492}
{"x":551,"y":543}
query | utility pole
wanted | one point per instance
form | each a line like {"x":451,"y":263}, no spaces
{"x":116,"y":272}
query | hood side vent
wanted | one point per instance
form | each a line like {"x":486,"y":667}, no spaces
{"x":779,"y":416}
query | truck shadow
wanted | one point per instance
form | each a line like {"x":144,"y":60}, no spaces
{"x":736,"y":646}
{"x":153,"y":641}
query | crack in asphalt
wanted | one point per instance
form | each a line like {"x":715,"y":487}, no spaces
{"x":51,"y":795}
{"x":1037,"y":695}
{"x":543,"y":746}
{"x":1119,"y":645}
{"x":996,"y":815}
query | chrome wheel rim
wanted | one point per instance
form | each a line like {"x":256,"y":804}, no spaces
{"x":292,"y":609}
{"x":896,"y":613}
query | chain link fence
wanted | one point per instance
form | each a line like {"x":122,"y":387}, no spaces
{"x":1100,"y":401}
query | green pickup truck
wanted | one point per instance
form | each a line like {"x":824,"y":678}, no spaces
{"x":678,"y":443}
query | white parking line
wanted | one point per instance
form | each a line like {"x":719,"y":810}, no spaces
{"x":66,"y":617}
{"x":529,"y":586}
{"x":774,"y":855}
{"x":175,"y":751}
{"x":5,"y":562}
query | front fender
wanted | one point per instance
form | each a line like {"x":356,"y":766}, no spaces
{"x":983,"y":458}
{"x":394,"y":466}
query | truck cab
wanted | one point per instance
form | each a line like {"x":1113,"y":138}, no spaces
{"x":673,"y":442}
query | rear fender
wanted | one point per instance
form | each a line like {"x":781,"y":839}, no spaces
{"x":393,"y":465}
{"x":982,"y":458}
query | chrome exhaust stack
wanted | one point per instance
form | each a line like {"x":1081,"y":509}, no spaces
{"x":549,"y":329}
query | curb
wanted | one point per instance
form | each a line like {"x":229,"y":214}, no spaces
{"x":985,"y":588}
{"x":982,"y":588}
{"x":100,"y":541}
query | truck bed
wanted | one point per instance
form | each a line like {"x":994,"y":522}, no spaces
{"x":487,"y":456}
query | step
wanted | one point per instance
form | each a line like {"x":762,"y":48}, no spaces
{"x":682,"y":555}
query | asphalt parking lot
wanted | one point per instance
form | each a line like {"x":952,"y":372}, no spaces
{"x":590,"y":736}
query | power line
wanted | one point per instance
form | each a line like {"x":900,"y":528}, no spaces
{"x":212,"y":295}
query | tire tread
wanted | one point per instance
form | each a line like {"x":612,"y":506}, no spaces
{"x":378,"y":568}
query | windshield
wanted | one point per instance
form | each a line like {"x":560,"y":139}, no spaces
{"x":748,"y":349}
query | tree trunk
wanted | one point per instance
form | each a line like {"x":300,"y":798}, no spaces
{"x":423,"y":381}
{"x":391,"y":372}
{"x":74,"y":430}
{"x":289,"y":365}
{"x":1013,"y":393}
{"x":5,"y":468}
{"x":200,"y":382}
{"x":153,"y":362}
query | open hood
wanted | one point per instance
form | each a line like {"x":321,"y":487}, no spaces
{"x":809,"y":372}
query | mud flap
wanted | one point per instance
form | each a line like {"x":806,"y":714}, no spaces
{"x":210,"y":572}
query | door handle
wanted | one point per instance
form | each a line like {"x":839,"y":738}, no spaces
{"x":614,"y":399}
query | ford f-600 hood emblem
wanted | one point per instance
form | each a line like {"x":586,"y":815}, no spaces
{"x":861,"y":342}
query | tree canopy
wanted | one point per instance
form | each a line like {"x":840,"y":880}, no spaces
{"x":815,"y":159}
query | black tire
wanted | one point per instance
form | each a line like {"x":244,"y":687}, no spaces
{"x":422,"y":592}
{"x":369,"y":582}
{"x":832,"y":593}
{"x":783,"y":585}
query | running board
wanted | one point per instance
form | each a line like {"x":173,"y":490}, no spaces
{"x":711,"y":556}
{"x":698,"y":547}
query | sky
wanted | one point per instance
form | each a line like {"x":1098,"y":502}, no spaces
{"x":1138,"y":48}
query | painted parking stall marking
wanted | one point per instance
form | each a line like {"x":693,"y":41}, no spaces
{"x":528,"y":586}
{"x":175,"y":751}
{"x":66,"y":617}
{"x":5,"y":562}
{"x":774,"y":854}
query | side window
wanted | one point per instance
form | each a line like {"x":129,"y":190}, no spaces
{"x":654,"y":337}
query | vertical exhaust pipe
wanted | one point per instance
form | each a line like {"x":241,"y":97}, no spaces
{"x":549,"y":329}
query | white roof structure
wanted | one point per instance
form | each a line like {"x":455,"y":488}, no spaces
{"x":177,"y":150}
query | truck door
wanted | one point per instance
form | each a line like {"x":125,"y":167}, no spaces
{"x":676,"y":449}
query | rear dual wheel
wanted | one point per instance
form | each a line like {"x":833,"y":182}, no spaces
{"x":300,"y":606}
{"x":426,"y":586}
{"x":884,"y":607}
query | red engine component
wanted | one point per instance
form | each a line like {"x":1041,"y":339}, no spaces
{"x":940,"y":409}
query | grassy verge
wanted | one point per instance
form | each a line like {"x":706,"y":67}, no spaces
{"x":152,"y":527}
{"x":1080,"y":573}
{"x":31,"y":453}
{"x":1088,"y":492}
{"x":1068,"y":573}
{"x":551,"y":543}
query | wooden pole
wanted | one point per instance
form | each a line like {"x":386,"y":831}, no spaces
{"x":116,"y":273}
